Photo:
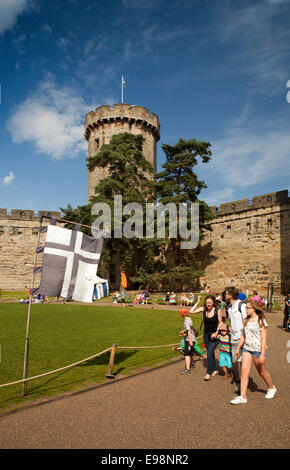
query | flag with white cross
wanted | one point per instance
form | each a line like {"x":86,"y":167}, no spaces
{"x":70,"y":263}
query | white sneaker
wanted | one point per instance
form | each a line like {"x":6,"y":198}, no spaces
{"x":271,"y":392}
{"x":239,"y":400}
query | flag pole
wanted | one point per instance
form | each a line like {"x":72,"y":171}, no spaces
{"x":122,"y":89}
{"x":25,"y":366}
{"x":67,"y":221}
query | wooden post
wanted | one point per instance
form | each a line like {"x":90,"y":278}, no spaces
{"x":26,"y":351}
{"x":111,"y":363}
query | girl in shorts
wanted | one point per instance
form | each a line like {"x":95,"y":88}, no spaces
{"x":224,"y":337}
{"x":253,"y":344}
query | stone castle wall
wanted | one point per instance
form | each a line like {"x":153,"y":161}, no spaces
{"x":18,"y":240}
{"x":104,"y":122}
{"x":250,"y":244}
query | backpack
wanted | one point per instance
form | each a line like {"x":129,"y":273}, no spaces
{"x":240,"y":305}
{"x":195,"y":333}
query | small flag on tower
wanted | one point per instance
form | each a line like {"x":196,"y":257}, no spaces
{"x":123,"y":81}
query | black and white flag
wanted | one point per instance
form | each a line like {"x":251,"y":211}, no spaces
{"x":70,"y":263}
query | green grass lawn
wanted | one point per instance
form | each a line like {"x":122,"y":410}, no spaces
{"x":64,"y":334}
{"x":13,"y":294}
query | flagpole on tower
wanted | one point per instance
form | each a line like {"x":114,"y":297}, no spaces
{"x":123,"y":83}
{"x":122,"y":89}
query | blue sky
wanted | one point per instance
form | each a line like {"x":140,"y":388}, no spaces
{"x":217,"y":71}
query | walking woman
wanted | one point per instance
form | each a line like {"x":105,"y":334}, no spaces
{"x":212,"y":318}
{"x":253,"y":343}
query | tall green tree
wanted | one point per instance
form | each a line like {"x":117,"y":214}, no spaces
{"x":178,"y":183}
{"x":129,"y":175}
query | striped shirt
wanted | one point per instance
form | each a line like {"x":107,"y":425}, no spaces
{"x":225,"y":343}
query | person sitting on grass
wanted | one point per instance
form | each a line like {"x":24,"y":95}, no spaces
{"x":189,"y":340}
{"x":116,"y":297}
{"x":183,"y":299}
{"x":224,"y":337}
{"x":190,"y":299}
{"x":146,"y":297}
{"x":172,"y":298}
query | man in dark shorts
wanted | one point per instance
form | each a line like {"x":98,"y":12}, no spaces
{"x":286,"y":310}
{"x":189,"y":340}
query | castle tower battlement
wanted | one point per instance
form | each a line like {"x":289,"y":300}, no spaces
{"x":104,"y":122}
{"x":258,"y":202}
{"x":24,"y":214}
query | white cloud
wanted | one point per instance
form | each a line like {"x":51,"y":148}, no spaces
{"x":9,"y":12}
{"x":141,"y":4}
{"x":246,"y":158}
{"x":51,"y":119}
{"x":47,"y":29}
{"x":260,"y":49}
{"x":276,"y":2}
{"x":219,"y":196}
{"x":250,"y":154}
{"x":8,"y":179}
{"x":63,"y":42}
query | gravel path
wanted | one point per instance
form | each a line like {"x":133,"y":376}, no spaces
{"x":161,"y":409}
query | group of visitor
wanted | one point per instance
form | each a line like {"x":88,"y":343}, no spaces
{"x":35,"y":299}
{"x":119,"y":297}
{"x":142,"y":298}
{"x":186,"y":300}
{"x":171,"y":298}
{"x":242,"y":343}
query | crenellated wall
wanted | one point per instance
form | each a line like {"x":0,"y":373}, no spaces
{"x":250,"y":243}
{"x":18,"y":239}
{"x":258,"y":202}
{"x":23,"y":214}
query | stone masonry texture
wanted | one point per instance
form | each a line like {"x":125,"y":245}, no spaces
{"x":250,"y":245}
{"x":104,"y":122}
{"x":18,"y":240}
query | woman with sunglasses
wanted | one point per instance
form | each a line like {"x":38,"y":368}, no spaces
{"x":253,"y":344}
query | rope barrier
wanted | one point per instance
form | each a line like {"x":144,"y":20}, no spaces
{"x":151,"y":347}
{"x":57,"y":370}
{"x":85,"y":360}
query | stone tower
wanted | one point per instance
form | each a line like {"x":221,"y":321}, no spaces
{"x":104,"y":122}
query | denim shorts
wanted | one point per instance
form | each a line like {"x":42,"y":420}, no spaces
{"x":255,"y":354}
